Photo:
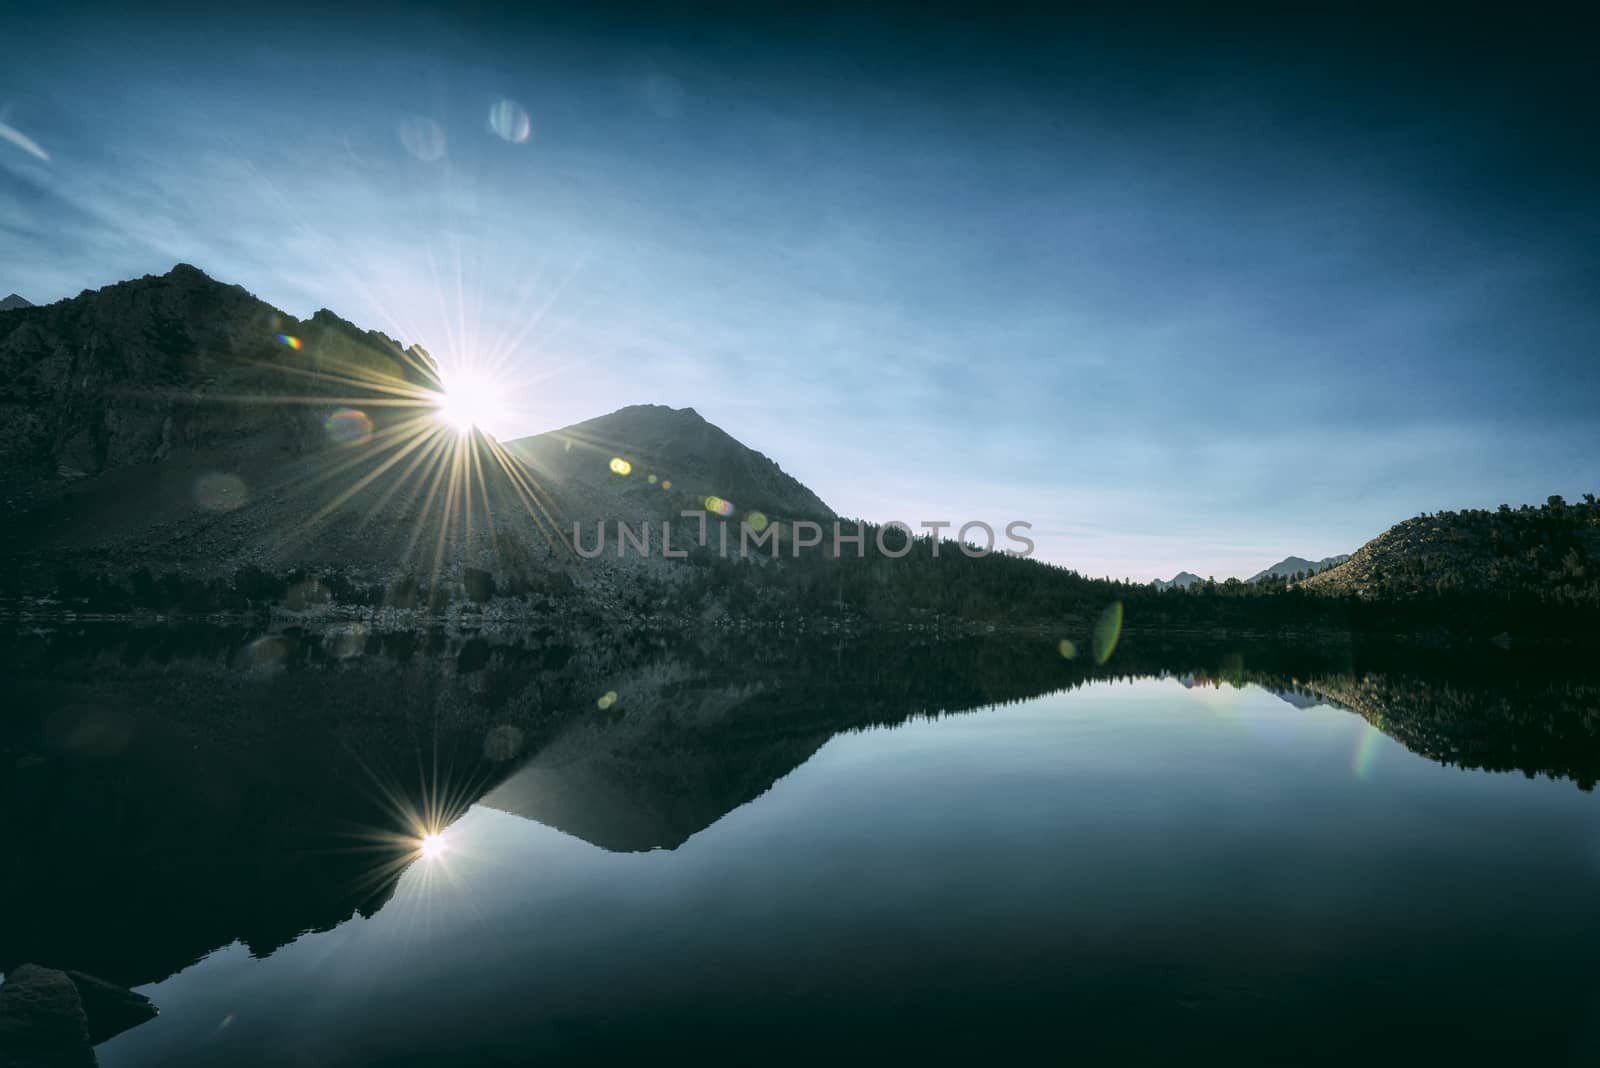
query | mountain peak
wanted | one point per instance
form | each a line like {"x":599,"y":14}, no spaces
{"x":14,"y":301}
{"x":662,"y":412}
{"x":1289,"y":566}
{"x":670,"y":447}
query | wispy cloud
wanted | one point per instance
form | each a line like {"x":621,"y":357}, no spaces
{"x":23,"y":141}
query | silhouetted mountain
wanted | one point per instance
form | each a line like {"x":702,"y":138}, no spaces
{"x":658,"y":447}
{"x":174,"y":422}
{"x":1182,"y":580}
{"x":1293,"y":565}
{"x":127,"y":374}
{"x":13,"y":302}
{"x":1552,"y":551}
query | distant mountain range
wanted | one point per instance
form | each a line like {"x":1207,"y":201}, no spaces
{"x":13,"y":302}
{"x":1293,"y":565}
{"x":1285,"y":568}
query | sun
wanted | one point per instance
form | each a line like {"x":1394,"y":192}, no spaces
{"x":469,"y":401}
{"x":431,"y":845}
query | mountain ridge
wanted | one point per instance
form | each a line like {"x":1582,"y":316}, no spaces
{"x":175,"y":425}
{"x":1552,"y":550}
{"x":1289,"y":566}
{"x":677,"y":447}
{"x":174,"y":422}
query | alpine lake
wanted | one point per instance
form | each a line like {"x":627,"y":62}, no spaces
{"x":338,"y":846}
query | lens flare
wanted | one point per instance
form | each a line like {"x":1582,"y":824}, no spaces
{"x":509,"y":122}
{"x":268,"y":653}
{"x":219,"y":492}
{"x":619,"y":466}
{"x":348,"y":426}
{"x":423,"y":138}
{"x":1067,"y":649}
{"x":758,"y":521}
{"x":1366,"y":750}
{"x":607,"y":699}
{"x":289,"y":341}
{"x":1107,"y":629}
{"x":719,"y":506}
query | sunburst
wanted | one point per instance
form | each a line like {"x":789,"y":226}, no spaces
{"x":469,"y":401}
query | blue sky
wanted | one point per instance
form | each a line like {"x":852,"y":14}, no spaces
{"x":1191,"y":300}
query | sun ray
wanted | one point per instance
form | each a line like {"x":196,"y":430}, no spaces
{"x":366,"y":480}
{"x":435,"y":479}
{"x":528,"y":491}
{"x":432,"y":444}
{"x":331,"y":252}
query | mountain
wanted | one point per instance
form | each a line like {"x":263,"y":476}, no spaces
{"x":127,"y":374}
{"x":1290,"y":566}
{"x":661,"y":447}
{"x":1551,"y":551}
{"x":13,"y":302}
{"x":1285,"y":568}
{"x":176,"y":424}
{"x":172,"y":442}
{"x":1298,"y":698}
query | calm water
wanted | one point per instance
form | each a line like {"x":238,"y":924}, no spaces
{"x":751,"y":856}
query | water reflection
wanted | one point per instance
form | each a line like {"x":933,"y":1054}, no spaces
{"x":251,"y":788}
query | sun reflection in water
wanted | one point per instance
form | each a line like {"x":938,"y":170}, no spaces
{"x":431,"y":846}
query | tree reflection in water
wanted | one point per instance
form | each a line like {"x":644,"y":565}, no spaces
{"x":177,"y":790}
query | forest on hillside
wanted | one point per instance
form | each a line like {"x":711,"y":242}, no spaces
{"x":1436,"y":592}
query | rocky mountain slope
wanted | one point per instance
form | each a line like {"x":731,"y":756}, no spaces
{"x":1553,"y":550}
{"x":13,"y":302}
{"x":177,"y":424}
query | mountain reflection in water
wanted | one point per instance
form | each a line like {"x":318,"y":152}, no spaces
{"x":176,"y":791}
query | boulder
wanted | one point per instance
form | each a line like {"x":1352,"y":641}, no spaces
{"x":111,"y":1009}
{"x":42,"y":1023}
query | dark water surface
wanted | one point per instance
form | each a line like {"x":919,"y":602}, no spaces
{"x":765,"y":849}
